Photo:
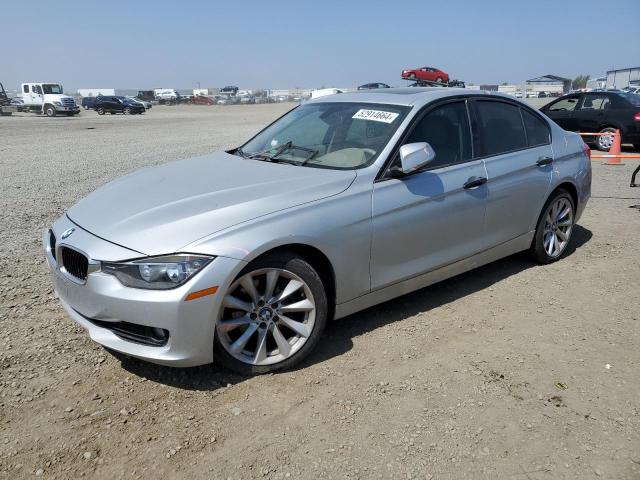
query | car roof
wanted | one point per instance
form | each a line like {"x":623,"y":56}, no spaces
{"x":408,"y":96}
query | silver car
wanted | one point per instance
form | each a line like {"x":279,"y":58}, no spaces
{"x":346,"y":201}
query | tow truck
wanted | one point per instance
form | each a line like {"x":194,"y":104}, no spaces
{"x":429,"y":83}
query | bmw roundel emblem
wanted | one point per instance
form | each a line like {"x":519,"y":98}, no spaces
{"x":67,"y":233}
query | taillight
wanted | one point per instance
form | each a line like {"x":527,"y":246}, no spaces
{"x":636,"y":117}
{"x":586,"y":150}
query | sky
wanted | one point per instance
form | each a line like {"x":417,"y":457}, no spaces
{"x":309,"y":44}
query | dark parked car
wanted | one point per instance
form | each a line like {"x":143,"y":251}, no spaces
{"x":371,"y":86}
{"x":117,"y":104}
{"x":229,"y":90}
{"x":88,"y":102}
{"x":146,"y":95}
{"x":599,"y":112}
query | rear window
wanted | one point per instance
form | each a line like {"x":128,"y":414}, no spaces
{"x":500,"y":128}
{"x":632,"y":98}
{"x":537,"y":129}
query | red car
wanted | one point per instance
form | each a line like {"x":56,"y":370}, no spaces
{"x":426,"y":73}
{"x":202,"y":100}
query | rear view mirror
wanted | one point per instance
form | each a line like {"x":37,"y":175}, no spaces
{"x":414,"y":156}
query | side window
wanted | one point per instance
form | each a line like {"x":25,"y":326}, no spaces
{"x":566,"y":104}
{"x":25,"y":88}
{"x":537,"y":130}
{"x":594,"y":102}
{"x":37,"y":89}
{"x":500,"y":128}
{"x":446,"y":129}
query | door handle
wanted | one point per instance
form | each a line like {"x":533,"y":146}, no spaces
{"x":474,"y":182}
{"x":544,"y":161}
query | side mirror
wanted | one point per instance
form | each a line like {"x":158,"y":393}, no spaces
{"x":414,"y":156}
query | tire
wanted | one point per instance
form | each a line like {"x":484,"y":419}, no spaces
{"x":100,"y":110}
{"x":603,"y":143}
{"x":553,"y":223}
{"x":127,"y":111}
{"x":412,"y":76}
{"x":50,"y":111}
{"x":243,"y":328}
{"x":439,"y":80}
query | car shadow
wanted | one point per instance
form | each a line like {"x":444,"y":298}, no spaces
{"x":338,"y":335}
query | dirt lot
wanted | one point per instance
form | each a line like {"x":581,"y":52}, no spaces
{"x":511,"y":371}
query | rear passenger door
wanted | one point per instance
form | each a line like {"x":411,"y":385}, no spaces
{"x":515,"y":143}
{"x":591,"y":111}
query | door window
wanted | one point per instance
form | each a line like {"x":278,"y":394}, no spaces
{"x":446,"y":129}
{"x":537,"y":129}
{"x":564,"y":105}
{"x":500,"y":128}
{"x":25,"y":88}
{"x":37,"y":89}
{"x":595,"y":102}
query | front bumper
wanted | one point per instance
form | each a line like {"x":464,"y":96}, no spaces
{"x":62,"y":108}
{"x":102,"y":300}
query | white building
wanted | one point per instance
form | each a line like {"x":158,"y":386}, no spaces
{"x":623,"y":78}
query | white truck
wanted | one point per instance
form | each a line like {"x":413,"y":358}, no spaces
{"x":47,"y":98}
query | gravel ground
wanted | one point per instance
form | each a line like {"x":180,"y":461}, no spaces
{"x":510,"y":371}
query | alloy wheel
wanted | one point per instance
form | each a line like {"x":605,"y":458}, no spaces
{"x":605,"y":141}
{"x":267,"y":316}
{"x":558,"y":224}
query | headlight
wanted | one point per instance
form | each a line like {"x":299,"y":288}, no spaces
{"x":57,"y":103}
{"x":157,"y":273}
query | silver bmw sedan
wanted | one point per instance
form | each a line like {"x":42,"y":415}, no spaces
{"x":344,"y":202}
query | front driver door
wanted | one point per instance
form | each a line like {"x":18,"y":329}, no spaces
{"x":562,"y":111}
{"x":430,"y":219}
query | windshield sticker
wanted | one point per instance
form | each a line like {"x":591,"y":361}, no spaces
{"x":376,"y":115}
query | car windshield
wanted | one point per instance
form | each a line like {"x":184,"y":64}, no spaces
{"x":328,"y":135}
{"x":631,"y":97}
{"x":52,"y":89}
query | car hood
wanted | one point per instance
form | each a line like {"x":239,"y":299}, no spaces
{"x":159,"y":210}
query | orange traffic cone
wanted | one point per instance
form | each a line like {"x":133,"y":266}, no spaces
{"x":613,"y":157}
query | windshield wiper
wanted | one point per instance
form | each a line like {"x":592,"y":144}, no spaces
{"x":290,"y":146}
{"x":268,"y":156}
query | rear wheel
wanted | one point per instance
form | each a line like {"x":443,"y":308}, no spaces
{"x":272,"y":316}
{"x":604,"y":142}
{"x":49,"y":111}
{"x":439,"y":80}
{"x":554,"y":229}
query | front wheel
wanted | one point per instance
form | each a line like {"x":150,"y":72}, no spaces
{"x":100,"y":110}
{"x":439,"y":80}
{"x":127,"y":111}
{"x":272,"y":315}
{"x":553,"y":232}
{"x":50,"y":111}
